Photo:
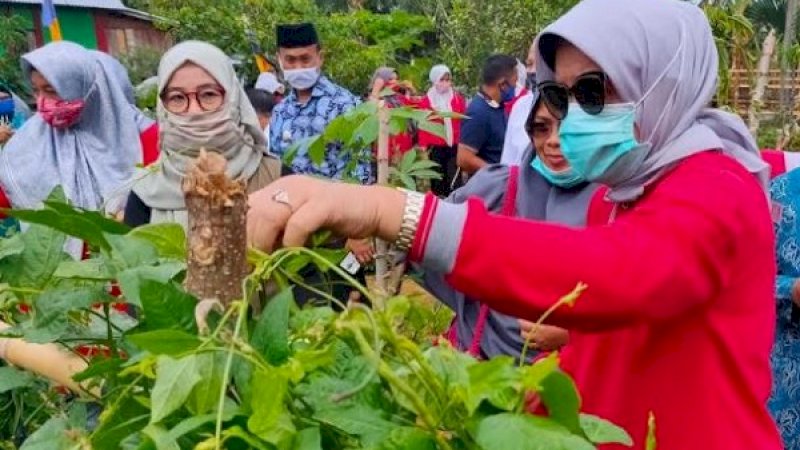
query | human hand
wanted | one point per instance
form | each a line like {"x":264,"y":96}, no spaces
{"x":291,"y":209}
{"x":5,"y":133}
{"x":362,"y":249}
{"x":543,"y":337}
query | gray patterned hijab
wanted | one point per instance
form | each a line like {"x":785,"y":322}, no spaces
{"x":92,"y":160}
{"x":120,"y":74}
{"x":233,"y":130}
{"x":666,"y":46}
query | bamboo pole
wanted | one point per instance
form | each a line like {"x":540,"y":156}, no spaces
{"x":756,"y":100}
{"x":382,"y":262}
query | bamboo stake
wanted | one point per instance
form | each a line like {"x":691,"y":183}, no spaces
{"x":382,"y":263}
{"x":756,"y":102}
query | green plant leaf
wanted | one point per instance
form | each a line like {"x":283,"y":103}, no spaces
{"x":316,"y":150}
{"x":601,"y":431}
{"x":90,"y":269}
{"x":534,"y":374}
{"x":358,"y":420}
{"x":129,"y":252}
{"x":425,"y":174}
{"x":560,"y":395}
{"x":205,"y":395}
{"x":89,"y":226}
{"x":526,"y":432}
{"x":53,"y":435}
{"x":98,"y":367}
{"x":270,"y":420}
{"x":238,"y":433}
{"x":33,"y":268}
{"x":11,"y":246}
{"x":408,"y":161}
{"x":165,"y":342}
{"x":175,"y":380}
{"x":366,"y":133}
{"x":130,"y":280}
{"x":436,"y":129}
{"x":118,"y":421}
{"x":408,"y":438}
{"x":51,"y":308}
{"x":408,"y":181}
{"x":496,"y":380}
{"x":166,"y":306}
{"x":308,"y":439}
{"x":11,"y":378}
{"x":168,"y":238}
{"x":271,"y":333}
{"x":160,"y":437}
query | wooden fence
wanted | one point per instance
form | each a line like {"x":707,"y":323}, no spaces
{"x":741,"y":85}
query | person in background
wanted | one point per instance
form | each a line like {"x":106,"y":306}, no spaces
{"x":311,"y":105}
{"x":264,"y":103}
{"x":386,"y":78}
{"x":441,"y":97}
{"x":542,"y":188}
{"x":484,"y":129}
{"x":13,"y":113}
{"x":84,"y":137}
{"x":201,"y":104}
{"x":148,"y":128}
{"x":268,"y":82}
{"x":784,"y":402}
{"x":516,"y":138}
{"x":677,"y":318}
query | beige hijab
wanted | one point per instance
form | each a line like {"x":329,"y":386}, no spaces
{"x":233,"y":130}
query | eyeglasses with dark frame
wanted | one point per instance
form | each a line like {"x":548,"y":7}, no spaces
{"x":209,"y":99}
{"x":589,"y":90}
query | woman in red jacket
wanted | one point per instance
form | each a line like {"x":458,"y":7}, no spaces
{"x":86,"y":136}
{"x":442,"y":97}
{"x":678,"y":318}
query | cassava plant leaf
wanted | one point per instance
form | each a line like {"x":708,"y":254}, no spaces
{"x":601,"y":431}
{"x":560,"y":395}
{"x":35,"y":265}
{"x":165,"y":342}
{"x":271,"y":333}
{"x":526,"y":432}
{"x":166,"y":306}
{"x":11,"y":378}
{"x":130,"y":280}
{"x":168,"y":238}
{"x":175,"y":380}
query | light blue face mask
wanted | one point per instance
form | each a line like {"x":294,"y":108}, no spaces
{"x":593,"y":143}
{"x":565,"y":178}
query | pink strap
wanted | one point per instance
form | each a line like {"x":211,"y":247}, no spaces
{"x":509,"y":208}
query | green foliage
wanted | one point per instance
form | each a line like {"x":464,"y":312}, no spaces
{"x":142,"y":63}
{"x":13,"y":43}
{"x":291,"y":378}
{"x":412,"y":169}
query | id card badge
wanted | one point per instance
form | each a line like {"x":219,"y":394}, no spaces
{"x":350,"y":264}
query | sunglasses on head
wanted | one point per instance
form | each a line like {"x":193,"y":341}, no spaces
{"x":589,"y":90}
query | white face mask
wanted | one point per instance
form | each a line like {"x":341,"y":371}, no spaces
{"x":302,"y":79}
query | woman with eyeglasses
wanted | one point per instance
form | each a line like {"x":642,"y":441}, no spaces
{"x":84,"y":137}
{"x":201,"y":104}
{"x":542,"y":188}
{"x":678,"y":317}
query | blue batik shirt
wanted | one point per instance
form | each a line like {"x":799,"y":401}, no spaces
{"x":292,"y":122}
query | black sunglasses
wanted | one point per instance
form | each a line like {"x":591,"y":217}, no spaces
{"x":589,"y":90}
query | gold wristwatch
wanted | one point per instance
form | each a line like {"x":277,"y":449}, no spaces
{"x":412,"y":212}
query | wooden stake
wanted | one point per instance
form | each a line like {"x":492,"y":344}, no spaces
{"x":382,"y":263}
{"x":767,"y":50}
{"x":217,"y":231}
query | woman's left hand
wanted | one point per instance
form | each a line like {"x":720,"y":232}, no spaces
{"x":291,"y":209}
{"x":543,"y":337}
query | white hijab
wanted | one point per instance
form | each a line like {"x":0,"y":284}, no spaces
{"x":442,"y":102}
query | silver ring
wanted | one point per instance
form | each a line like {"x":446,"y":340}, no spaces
{"x":282,"y":197}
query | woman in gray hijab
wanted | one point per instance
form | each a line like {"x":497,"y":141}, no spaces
{"x":677,"y":316}
{"x":201,"y":104}
{"x":84,"y":136}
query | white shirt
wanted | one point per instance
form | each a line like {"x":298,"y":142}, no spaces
{"x":517,"y":139}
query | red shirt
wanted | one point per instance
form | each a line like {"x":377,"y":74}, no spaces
{"x":678,"y":317}
{"x":459,"y":106}
{"x":150,"y":152}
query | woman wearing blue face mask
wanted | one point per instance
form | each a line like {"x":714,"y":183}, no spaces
{"x":678,"y":316}
{"x":13,"y":113}
{"x":483,"y":131}
{"x":542,"y":188}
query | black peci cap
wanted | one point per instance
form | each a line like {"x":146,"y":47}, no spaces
{"x":296,"y":35}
